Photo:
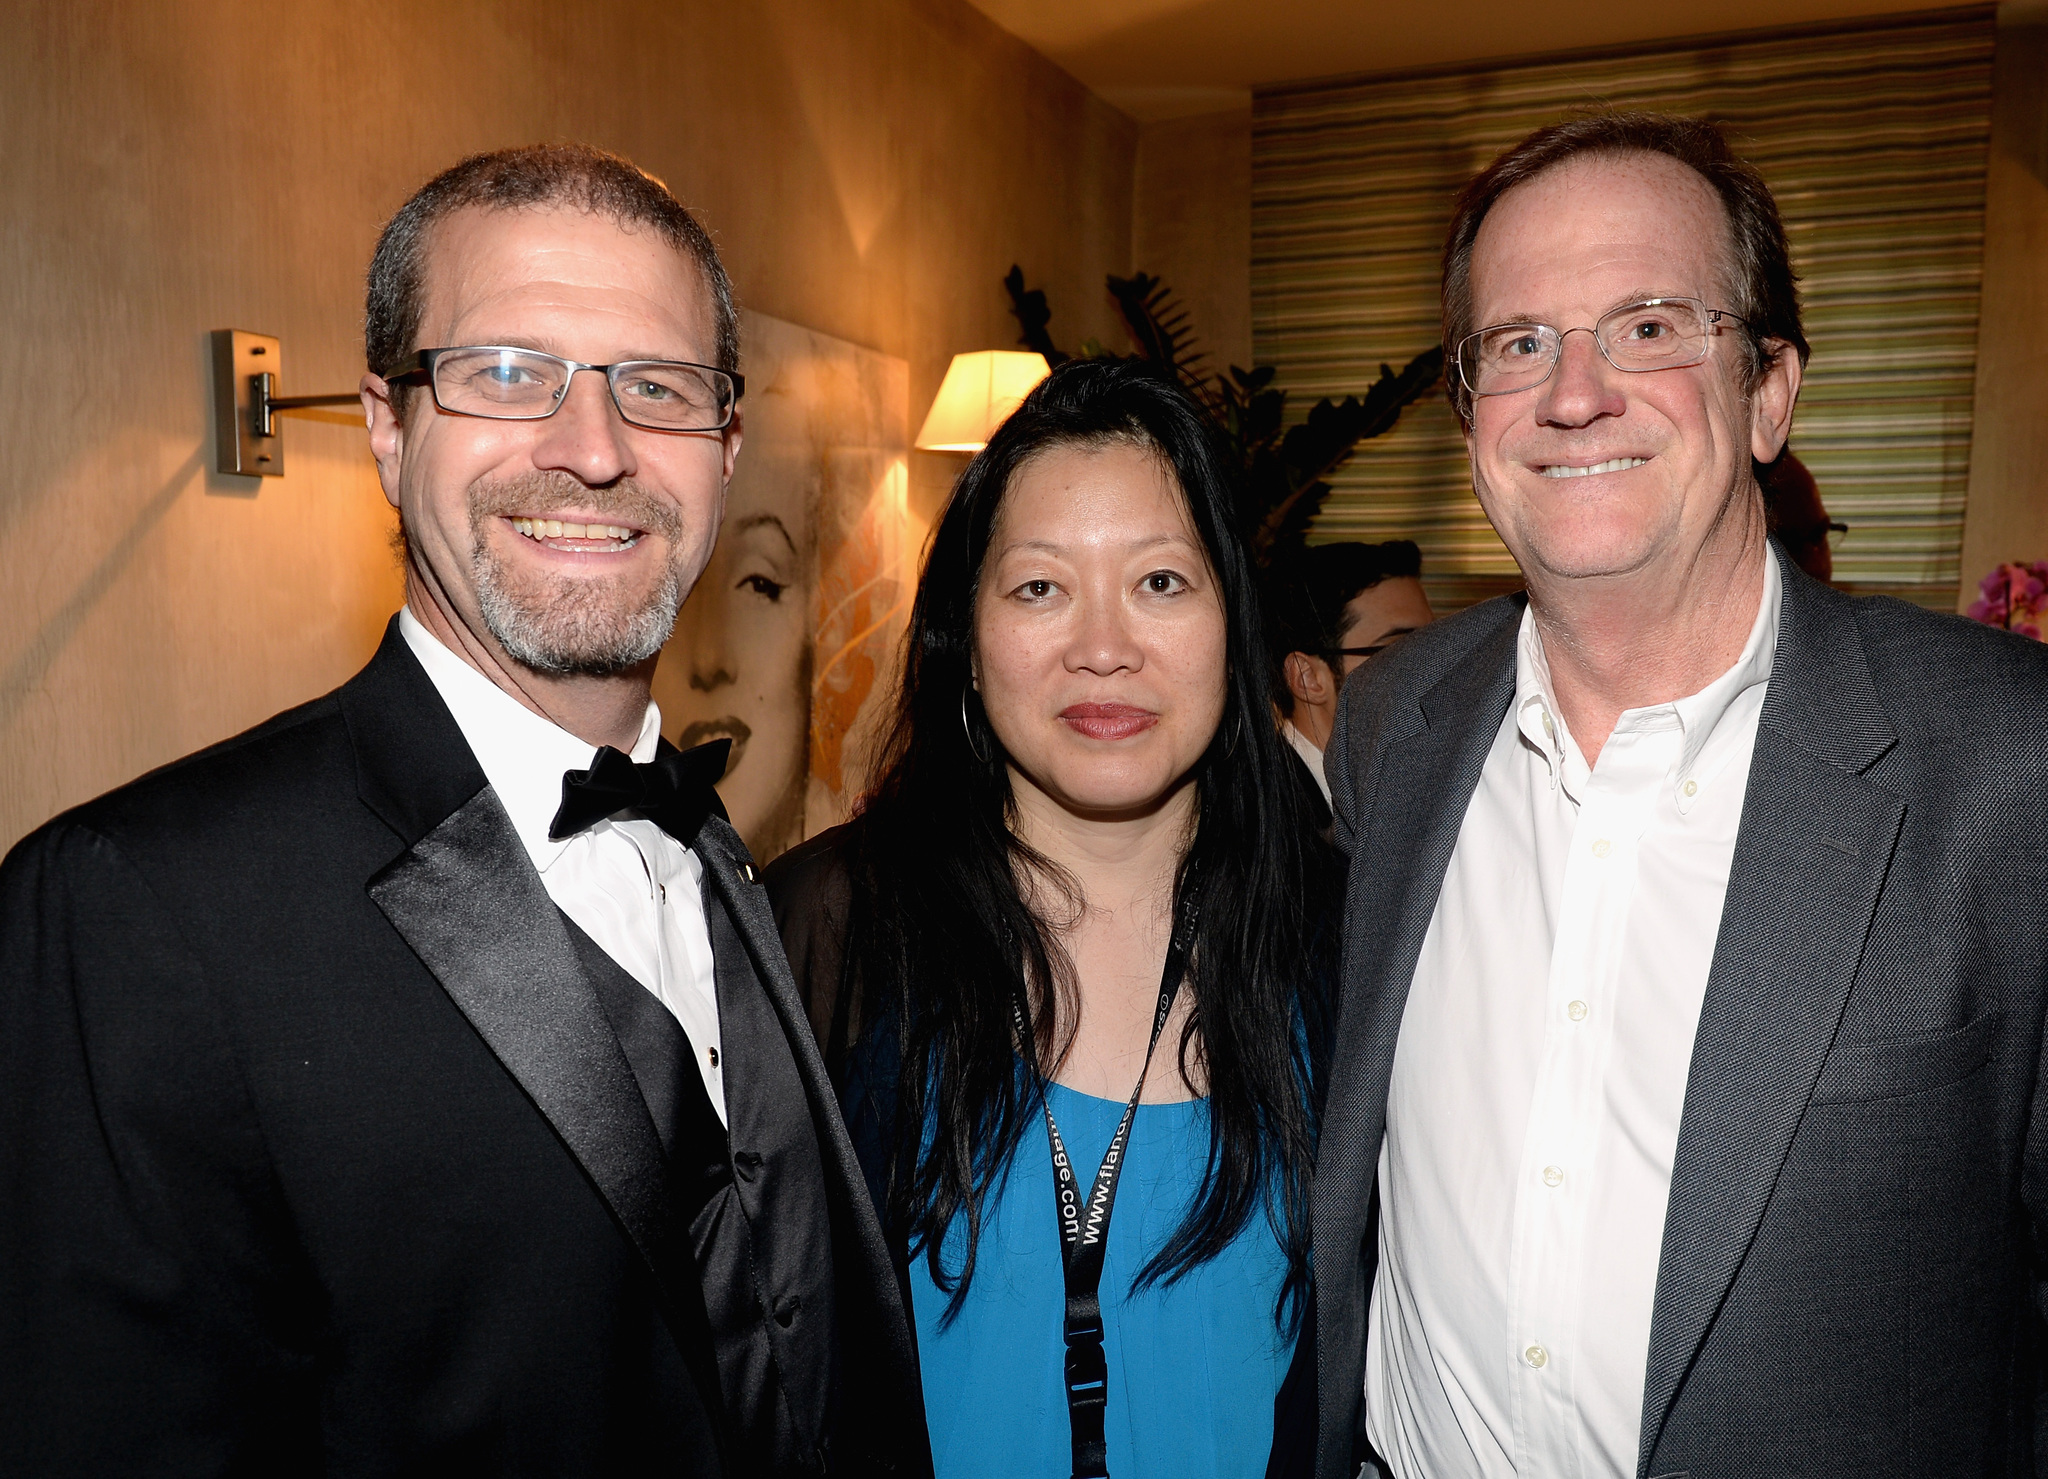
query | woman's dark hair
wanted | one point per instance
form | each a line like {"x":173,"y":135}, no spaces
{"x":940,"y":932}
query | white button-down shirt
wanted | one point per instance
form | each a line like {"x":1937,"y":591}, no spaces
{"x":1534,"y":1108}
{"x":633,"y":889}
{"x":1311,"y":756}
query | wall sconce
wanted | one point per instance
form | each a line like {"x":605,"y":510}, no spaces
{"x":978,"y":394}
{"x":245,"y":371}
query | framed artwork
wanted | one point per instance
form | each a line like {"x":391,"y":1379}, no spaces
{"x":791,"y":642}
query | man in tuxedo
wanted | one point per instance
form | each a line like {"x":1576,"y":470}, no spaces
{"x":1684,"y":1111}
{"x":415,"y":1082}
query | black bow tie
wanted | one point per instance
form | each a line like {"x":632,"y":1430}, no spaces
{"x":673,"y":790}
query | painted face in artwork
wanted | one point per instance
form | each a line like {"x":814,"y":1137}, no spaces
{"x":740,"y":663}
{"x":780,"y":646}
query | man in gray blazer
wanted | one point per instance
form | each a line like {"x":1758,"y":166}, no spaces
{"x":1682,"y":1118}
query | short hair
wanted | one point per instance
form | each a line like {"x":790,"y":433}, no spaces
{"x":537,"y":176}
{"x":1329,"y":577}
{"x":1765,"y":287}
{"x":1307,"y":595}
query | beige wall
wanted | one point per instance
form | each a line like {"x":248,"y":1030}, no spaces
{"x":1191,"y":224}
{"x":2007,"y":514}
{"x":870,"y":169}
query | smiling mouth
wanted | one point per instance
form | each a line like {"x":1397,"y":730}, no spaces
{"x":1612,"y":464}
{"x":1108,"y":721}
{"x":705,"y":730}
{"x":576,"y":538}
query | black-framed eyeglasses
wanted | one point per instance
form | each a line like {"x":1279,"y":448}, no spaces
{"x":1373,"y":651}
{"x":1653,"y":334}
{"x":1832,"y":531}
{"x":507,"y":384}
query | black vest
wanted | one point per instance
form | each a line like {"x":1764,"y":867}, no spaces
{"x":752,"y":1196}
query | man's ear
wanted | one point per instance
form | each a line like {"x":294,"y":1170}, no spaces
{"x":1309,"y":679}
{"x":387,"y":433}
{"x":733,"y":436}
{"x":1772,"y":401}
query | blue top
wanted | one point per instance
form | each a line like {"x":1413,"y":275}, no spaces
{"x":1193,"y":1365}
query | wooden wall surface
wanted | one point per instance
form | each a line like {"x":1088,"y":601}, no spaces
{"x":2006,"y":517}
{"x":1191,"y":225}
{"x":870,"y":170}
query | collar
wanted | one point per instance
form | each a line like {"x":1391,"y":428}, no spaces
{"x":1311,"y":755}
{"x":1697,"y":716}
{"x":522,"y":754}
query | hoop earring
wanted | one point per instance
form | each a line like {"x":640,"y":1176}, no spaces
{"x":967,"y":725}
{"x":1236,"y":733}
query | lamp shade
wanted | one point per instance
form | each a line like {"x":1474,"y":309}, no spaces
{"x":978,"y":394}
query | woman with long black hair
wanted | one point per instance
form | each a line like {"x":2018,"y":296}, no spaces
{"x":1067,"y":960}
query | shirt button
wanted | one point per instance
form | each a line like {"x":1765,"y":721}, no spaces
{"x":1553,"y":1176}
{"x":714,"y":1056}
{"x":1536,"y":1356}
{"x":1692,"y":788}
{"x":1602,"y":848}
{"x":1576,"y":1011}
{"x":661,"y":892}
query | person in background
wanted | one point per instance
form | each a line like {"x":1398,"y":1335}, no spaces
{"x":1686,"y":1113}
{"x":1338,"y":606}
{"x":1074,"y":947}
{"x":1797,"y":518}
{"x":415,"y":1084}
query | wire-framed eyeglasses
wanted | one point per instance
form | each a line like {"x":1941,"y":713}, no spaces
{"x":1654,"y":334}
{"x":507,"y":384}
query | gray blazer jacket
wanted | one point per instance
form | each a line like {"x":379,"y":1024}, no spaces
{"x":1852,"y":1275}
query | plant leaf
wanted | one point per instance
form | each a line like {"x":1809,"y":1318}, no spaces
{"x":1033,"y":313}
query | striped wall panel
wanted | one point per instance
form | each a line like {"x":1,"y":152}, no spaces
{"x":1873,"y":136}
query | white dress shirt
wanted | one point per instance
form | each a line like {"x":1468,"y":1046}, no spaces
{"x":1537,"y":1085}
{"x":634,"y":889}
{"x":1311,"y":756}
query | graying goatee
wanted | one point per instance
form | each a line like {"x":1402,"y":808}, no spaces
{"x":587,"y":627}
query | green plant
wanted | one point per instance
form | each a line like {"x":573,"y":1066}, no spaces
{"x":1282,"y":472}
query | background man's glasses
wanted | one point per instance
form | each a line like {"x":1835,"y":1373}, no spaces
{"x":1375,"y":650}
{"x":526,"y":385}
{"x":1805,"y":537}
{"x":1656,"y":334}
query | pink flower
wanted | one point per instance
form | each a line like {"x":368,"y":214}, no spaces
{"x":2014,"y":596}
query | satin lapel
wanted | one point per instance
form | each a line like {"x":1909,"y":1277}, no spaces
{"x":1810,"y":859}
{"x":729,"y":869}
{"x":1416,"y":808}
{"x":413,"y":767}
{"x":467,"y":899}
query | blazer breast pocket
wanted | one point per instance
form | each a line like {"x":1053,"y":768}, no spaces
{"x":1906,"y":1065}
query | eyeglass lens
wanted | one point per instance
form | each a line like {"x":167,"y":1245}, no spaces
{"x":1665,"y":333}
{"x":520,"y":385}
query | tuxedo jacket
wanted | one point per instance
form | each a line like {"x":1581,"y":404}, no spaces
{"x":322,"y":1147}
{"x":1852,"y":1273}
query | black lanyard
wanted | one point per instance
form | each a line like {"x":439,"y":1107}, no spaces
{"x":1084,"y":1227}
